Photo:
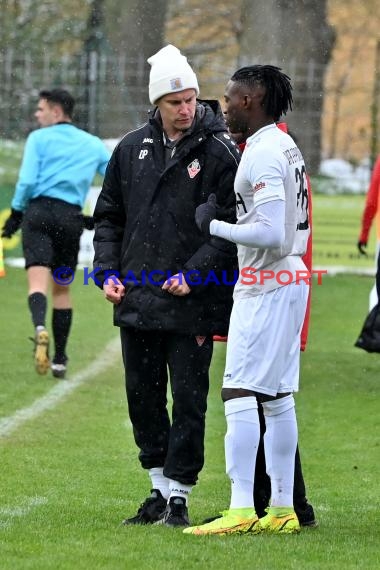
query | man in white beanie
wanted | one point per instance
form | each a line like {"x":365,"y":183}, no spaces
{"x":170,"y":285}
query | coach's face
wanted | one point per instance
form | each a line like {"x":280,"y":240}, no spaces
{"x":235,"y":107}
{"x":177,"y":111}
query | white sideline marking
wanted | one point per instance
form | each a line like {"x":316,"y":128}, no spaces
{"x":333,"y":270}
{"x":60,"y":390}
{"x":20,"y":511}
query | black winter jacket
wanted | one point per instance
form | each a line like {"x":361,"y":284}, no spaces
{"x":145,"y":226}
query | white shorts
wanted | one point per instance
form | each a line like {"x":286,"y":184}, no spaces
{"x":263,"y":349}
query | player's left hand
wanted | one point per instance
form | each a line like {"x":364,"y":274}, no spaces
{"x":204,"y":215}
{"x":176,"y":285}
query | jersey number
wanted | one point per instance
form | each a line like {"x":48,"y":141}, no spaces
{"x":302,"y":199}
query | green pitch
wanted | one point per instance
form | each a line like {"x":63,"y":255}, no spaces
{"x":70,"y":474}
{"x":336,"y":227}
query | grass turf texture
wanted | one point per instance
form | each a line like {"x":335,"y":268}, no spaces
{"x":336,"y":228}
{"x":71,"y":475}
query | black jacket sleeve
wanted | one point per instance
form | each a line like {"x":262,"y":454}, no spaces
{"x":109,"y":218}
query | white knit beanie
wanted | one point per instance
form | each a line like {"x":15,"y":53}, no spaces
{"x":170,"y":72}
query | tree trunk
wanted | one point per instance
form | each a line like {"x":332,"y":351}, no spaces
{"x":135,"y":31}
{"x":295,"y":35}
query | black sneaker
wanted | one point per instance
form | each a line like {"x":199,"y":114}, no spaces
{"x":176,"y":513}
{"x":306,"y":515}
{"x":150,"y":510}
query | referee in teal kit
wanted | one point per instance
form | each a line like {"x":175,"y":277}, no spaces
{"x":58,"y":166}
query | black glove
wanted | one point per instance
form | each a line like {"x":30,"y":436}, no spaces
{"x":361,"y":247}
{"x":204,"y":215}
{"x":12,"y":224}
{"x":88,"y":222}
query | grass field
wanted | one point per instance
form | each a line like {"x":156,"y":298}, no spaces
{"x":70,"y":474}
{"x":336,"y":227}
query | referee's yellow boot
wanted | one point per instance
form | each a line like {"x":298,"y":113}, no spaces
{"x":41,"y":351}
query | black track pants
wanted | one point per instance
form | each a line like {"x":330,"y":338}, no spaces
{"x":176,"y":444}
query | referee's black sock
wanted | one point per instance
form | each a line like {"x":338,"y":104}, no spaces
{"x":61,"y":323}
{"x":37,"y":305}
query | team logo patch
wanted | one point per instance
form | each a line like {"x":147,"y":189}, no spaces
{"x":259,"y":186}
{"x":200,"y":340}
{"x":175,"y":84}
{"x":193,"y":168}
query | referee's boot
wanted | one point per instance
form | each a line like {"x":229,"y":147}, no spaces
{"x":150,"y":510}
{"x":41,"y":350}
{"x":59,"y":367}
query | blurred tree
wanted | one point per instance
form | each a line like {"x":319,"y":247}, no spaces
{"x":135,"y":30}
{"x":350,"y":82}
{"x":207,"y":33}
{"x":36,"y":39}
{"x":295,"y":35}
{"x":94,"y":45}
{"x":33,"y":26}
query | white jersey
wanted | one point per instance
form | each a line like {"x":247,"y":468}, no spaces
{"x":272,"y":168}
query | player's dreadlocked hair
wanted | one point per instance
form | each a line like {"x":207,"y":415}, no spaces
{"x":278,"y":90}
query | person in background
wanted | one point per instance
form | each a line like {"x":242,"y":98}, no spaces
{"x":147,"y":247}
{"x":263,"y":349}
{"x":372,"y":210}
{"x":59,"y":163}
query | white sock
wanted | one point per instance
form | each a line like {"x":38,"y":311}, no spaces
{"x":159,"y":481}
{"x":178,"y":489}
{"x":240,"y":443}
{"x":280,"y":442}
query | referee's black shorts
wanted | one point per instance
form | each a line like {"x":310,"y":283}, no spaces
{"x":51,"y":231}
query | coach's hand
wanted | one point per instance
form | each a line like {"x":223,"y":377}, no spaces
{"x":176,"y":285}
{"x":362,"y":248}
{"x":114,"y":290}
{"x":12,"y":224}
{"x":204,"y":215}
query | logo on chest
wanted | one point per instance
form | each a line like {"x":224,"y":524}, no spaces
{"x":193,"y":168}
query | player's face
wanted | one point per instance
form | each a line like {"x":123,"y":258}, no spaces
{"x":235,"y":104}
{"x":46,"y":114}
{"x":177,"y":111}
